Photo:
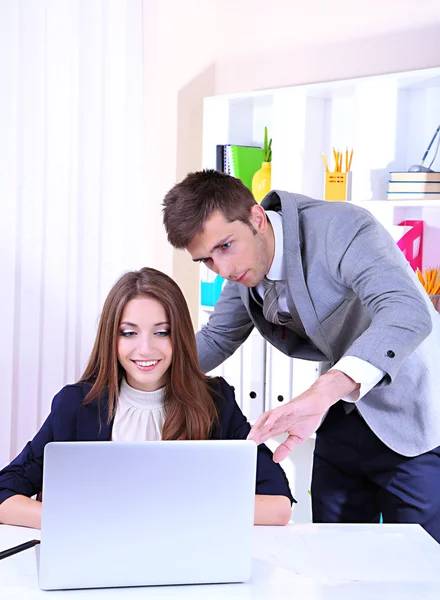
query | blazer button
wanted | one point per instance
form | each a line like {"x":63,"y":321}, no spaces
{"x":390,"y":354}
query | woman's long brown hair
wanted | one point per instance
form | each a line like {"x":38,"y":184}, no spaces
{"x":190,"y":409}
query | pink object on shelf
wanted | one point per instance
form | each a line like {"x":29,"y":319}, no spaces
{"x":411,"y":243}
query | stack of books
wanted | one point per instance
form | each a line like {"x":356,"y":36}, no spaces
{"x":404,"y":185}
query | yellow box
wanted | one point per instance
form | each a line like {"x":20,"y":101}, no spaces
{"x":337,"y":186}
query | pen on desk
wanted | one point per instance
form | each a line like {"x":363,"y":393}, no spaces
{"x":19,"y":548}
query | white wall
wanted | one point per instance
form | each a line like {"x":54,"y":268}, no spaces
{"x":179,"y":51}
{"x":257,"y":27}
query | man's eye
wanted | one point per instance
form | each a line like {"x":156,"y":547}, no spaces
{"x":226,"y":246}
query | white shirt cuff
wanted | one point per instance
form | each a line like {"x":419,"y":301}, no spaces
{"x":361,"y":372}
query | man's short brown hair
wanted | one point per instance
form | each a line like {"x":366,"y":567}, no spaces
{"x":189,"y":204}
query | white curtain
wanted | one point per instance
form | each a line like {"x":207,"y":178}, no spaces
{"x":74,"y":211}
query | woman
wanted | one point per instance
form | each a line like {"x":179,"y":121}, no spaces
{"x":142,"y":383}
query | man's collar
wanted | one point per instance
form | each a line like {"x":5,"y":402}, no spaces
{"x":276,"y":271}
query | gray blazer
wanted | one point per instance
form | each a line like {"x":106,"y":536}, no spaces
{"x":356,"y":295}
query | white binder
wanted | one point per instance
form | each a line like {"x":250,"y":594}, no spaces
{"x":254,"y":376}
{"x":231,"y":370}
{"x":287,"y":377}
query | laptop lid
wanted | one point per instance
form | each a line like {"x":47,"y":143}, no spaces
{"x":147,"y":513}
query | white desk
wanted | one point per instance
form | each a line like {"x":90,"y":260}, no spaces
{"x":305,"y":562}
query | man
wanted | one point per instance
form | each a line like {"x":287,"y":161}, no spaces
{"x":325,"y":281}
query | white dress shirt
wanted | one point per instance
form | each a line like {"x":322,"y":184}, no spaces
{"x":361,"y":371}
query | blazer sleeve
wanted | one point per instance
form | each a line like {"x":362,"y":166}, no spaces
{"x":24,"y":475}
{"x":363,"y":257}
{"x":233,"y":425}
{"x":228,"y":327}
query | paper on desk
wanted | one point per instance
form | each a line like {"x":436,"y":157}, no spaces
{"x":371,"y":557}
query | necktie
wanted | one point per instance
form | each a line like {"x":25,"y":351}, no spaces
{"x":272,"y":291}
{"x":270,"y":301}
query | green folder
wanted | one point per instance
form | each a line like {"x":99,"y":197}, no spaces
{"x":243,"y":162}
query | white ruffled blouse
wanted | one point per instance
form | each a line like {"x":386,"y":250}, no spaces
{"x":140,"y":415}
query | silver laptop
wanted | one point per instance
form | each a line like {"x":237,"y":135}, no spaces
{"x":146,"y":513}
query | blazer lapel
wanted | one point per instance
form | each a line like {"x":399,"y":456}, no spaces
{"x":296,"y":284}
{"x":92,"y":426}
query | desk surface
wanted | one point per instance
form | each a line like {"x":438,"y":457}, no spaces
{"x":314,"y":562}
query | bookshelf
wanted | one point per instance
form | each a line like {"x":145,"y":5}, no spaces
{"x":389,"y":121}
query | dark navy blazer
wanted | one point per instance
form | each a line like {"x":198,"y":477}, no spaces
{"x":70,"y":421}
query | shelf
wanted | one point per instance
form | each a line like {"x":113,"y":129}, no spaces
{"x":207,"y":309}
{"x":388,"y":120}
{"x":405,"y":80}
{"x":404,"y":203}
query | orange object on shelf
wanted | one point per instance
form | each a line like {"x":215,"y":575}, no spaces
{"x":337,"y":186}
